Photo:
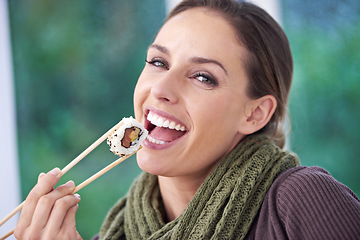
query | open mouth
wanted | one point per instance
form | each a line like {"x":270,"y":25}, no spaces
{"x":163,"y":130}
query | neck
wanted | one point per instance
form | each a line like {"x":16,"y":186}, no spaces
{"x":177,"y":192}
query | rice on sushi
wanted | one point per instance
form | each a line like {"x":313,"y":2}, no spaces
{"x":127,"y":138}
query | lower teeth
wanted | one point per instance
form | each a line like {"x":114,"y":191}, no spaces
{"x":153,"y":140}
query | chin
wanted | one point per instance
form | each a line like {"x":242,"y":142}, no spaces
{"x":148,"y":164}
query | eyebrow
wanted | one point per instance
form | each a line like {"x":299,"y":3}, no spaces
{"x":201,"y":60}
{"x":160,"y":48}
{"x":198,"y":60}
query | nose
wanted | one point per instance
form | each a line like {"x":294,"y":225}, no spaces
{"x":166,"y":89}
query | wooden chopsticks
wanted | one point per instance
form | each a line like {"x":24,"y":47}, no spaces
{"x":72,"y":164}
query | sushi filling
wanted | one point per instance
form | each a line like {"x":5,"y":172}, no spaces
{"x":130,"y":136}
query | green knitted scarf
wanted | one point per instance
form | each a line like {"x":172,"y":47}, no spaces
{"x":223,"y":207}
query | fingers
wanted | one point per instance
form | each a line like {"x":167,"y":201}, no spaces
{"x":45,"y":184}
{"x":63,"y":215}
{"x":49,"y":212}
{"x":61,"y":222}
{"x":47,"y":203}
{"x":69,"y":225}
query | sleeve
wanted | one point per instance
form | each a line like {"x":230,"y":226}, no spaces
{"x":311,"y":204}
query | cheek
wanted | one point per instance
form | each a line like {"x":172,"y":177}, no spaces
{"x":136,"y":102}
{"x":139,"y":97}
{"x":218,"y":116}
{"x":216,"y":109}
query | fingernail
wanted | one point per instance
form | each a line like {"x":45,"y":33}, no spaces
{"x":55,"y":171}
{"x":77,"y":196}
{"x":69,"y":184}
{"x":40,"y":176}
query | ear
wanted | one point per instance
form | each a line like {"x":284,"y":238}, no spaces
{"x":258,"y":113}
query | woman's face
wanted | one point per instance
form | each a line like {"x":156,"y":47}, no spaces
{"x":191,"y":95}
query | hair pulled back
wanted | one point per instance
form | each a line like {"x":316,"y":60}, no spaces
{"x":268,"y":65}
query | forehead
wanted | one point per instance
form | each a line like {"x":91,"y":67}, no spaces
{"x":200,"y":29}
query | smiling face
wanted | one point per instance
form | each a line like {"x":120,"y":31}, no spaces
{"x":191,"y":95}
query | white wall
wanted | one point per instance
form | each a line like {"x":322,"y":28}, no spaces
{"x":273,"y":7}
{"x":9,"y":181}
{"x":170,"y":4}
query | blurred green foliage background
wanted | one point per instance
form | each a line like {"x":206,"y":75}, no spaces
{"x":325,"y":98}
{"x":76,"y":64}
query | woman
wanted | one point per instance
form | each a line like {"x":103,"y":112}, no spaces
{"x":222,"y":71}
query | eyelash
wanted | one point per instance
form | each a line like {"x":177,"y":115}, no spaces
{"x":207,"y":79}
{"x":157,"y":62}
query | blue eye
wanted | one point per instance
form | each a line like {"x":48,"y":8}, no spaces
{"x":158,"y":63}
{"x":206,"y":79}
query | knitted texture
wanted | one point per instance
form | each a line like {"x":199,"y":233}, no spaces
{"x":223,"y":207}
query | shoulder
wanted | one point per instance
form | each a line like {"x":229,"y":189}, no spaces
{"x":310,"y":202}
{"x":304,"y":185}
{"x":307,"y":203}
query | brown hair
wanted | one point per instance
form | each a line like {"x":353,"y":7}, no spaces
{"x":269,"y":64}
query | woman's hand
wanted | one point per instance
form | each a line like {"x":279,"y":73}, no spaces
{"x":49,"y":213}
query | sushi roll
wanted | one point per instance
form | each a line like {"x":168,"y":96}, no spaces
{"x":127,"y":138}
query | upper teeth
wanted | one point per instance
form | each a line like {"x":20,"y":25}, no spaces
{"x":162,"y":122}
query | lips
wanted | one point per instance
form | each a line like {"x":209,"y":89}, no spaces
{"x":163,"y":129}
